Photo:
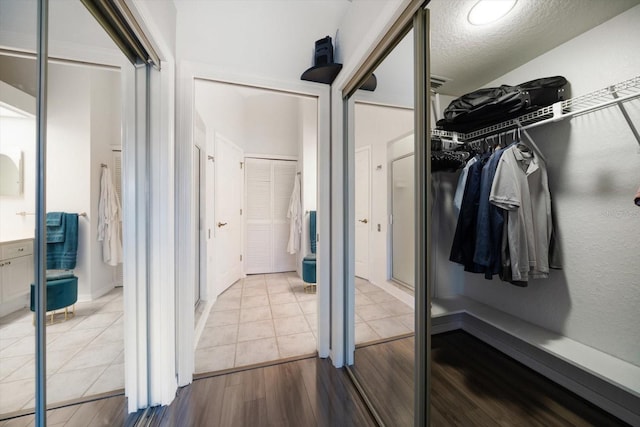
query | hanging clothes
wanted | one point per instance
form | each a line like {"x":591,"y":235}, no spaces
{"x":490,"y":222}
{"x":521,"y":187}
{"x":109,"y":221}
{"x":462,"y":182}
{"x":464,"y":240}
{"x":295,"y":218}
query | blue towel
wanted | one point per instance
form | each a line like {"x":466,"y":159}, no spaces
{"x":54,"y":219}
{"x":55,"y":227}
{"x":61,"y":255}
{"x":312,"y":231}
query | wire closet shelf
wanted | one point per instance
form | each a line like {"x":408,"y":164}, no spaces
{"x":616,"y":94}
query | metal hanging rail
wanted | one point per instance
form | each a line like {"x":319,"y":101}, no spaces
{"x":616,"y":94}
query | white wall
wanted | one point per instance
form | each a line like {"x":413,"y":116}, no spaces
{"x":105,"y":133}
{"x":594,"y":171}
{"x":272,"y":39}
{"x":18,"y":134}
{"x":271,"y":123}
{"x":395,"y":77}
{"x":83,"y":123}
{"x":378,"y":127}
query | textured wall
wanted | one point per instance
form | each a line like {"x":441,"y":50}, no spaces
{"x":594,"y":171}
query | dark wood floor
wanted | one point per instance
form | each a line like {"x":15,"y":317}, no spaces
{"x":472,"y":385}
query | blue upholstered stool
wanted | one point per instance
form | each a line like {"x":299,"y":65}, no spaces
{"x":62,"y":292}
{"x":309,"y":261}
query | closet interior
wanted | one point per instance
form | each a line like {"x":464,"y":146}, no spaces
{"x":569,"y":311}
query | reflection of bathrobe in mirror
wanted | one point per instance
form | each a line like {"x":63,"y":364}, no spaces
{"x":109,"y":221}
{"x":295,"y":218}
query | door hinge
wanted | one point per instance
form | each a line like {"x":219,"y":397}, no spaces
{"x":240,"y":257}
{"x":209,"y":233}
{"x":241,"y":165}
{"x":240,"y":211}
{"x":213,"y":159}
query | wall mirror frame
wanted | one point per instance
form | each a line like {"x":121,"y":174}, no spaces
{"x":415,"y":17}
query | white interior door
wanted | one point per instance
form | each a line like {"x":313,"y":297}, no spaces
{"x":269,"y":184}
{"x":258,"y":216}
{"x":228,"y":205}
{"x":362,"y":211}
{"x":197,"y":222}
{"x":284,"y":174}
{"x":403,"y":226}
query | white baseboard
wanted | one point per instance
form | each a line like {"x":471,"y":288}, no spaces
{"x":597,"y":387}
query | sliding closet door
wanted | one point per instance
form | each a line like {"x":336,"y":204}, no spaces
{"x":269,"y":184}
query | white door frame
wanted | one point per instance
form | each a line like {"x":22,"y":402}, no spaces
{"x":187,"y":73}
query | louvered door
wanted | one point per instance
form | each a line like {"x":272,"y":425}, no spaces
{"x":268,"y":184}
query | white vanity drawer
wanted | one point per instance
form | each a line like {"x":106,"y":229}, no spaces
{"x":16,"y":249}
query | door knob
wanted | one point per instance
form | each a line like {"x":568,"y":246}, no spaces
{"x":364,"y":221}
{"x":221,"y":224}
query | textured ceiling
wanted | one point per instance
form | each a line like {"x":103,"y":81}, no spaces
{"x":471,"y":56}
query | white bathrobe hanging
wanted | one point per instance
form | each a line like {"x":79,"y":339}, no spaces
{"x":295,"y":218}
{"x":109,"y":221}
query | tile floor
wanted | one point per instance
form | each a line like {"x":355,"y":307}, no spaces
{"x":260,"y":318}
{"x":84,"y":354}
{"x":268,"y":317}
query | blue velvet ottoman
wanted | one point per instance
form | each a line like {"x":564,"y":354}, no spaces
{"x":61,"y":293}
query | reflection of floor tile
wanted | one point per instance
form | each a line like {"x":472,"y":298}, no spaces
{"x":215,"y":358}
{"x":257,"y":351}
{"x":396,"y":307}
{"x":296,"y":344}
{"x":9,"y":365}
{"x":372,"y":312}
{"x":388,"y":327}
{"x":22,"y":347}
{"x":15,"y":394}
{"x":408,"y":320}
{"x":380,"y":296}
{"x":72,"y":384}
{"x":363,"y":299}
{"x":74,"y":338}
{"x":91,"y":356}
{"x":364,"y":333}
{"x":16,"y":330}
{"x":111,"y":379}
{"x":291,"y":325}
{"x":100,"y":320}
{"x":255,"y":330}
{"x":80,"y":341}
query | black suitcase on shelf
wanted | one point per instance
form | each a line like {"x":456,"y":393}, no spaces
{"x":488,"y":106}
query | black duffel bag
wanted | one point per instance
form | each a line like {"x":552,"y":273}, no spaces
{"x":488,"y":106}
